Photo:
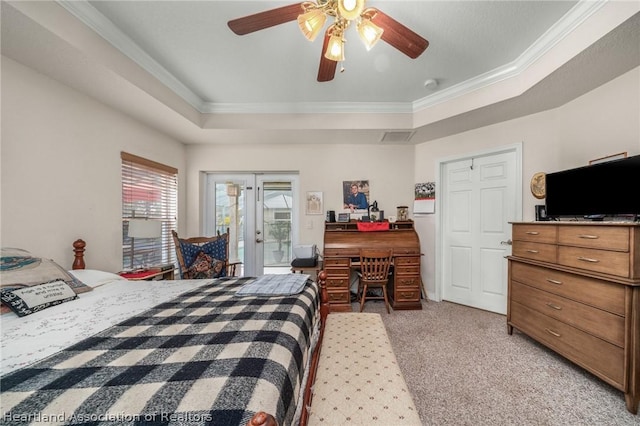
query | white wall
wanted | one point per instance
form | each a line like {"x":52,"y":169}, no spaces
{"x":61,"y":168}
{"x":602,"y":122}
{"x":61,"y":163}
{"x":389,"y":170}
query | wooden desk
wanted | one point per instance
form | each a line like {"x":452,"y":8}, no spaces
{"x":342,"y":243}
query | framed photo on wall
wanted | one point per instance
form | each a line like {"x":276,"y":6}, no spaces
{"x":314,"y":202}
{"x":355,"y":194}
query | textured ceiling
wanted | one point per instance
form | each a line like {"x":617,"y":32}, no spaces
{"x":175,"y":65}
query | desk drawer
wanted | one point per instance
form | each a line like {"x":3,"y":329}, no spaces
{"x":408,"y":270}
{"x":408,"y":280}
{"x":406,"y":294}
{"x":336,"y":261}
{"x":591,"y":291}
{"x":595,"y":321}
{"x":536,"y":251}
{"x":333,"y":282}
{"x":600,"y":357}
{"x":599,"y":237}
{"x":606,"y":262}
{"x":406,"y":260}
{"x":535,"y":233}
{"x":339,"y":297}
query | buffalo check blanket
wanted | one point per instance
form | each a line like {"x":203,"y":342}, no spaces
{"x":207,"y":357}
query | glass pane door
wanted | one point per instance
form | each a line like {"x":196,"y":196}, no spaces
{"x":261,"y":214}
{"x":276,"y":217}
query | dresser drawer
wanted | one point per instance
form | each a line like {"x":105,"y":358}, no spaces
{"x":535,"y":233}
{"x":595,"y":321}
{"x":606,"y":262}
{"x":536,"y":251}
{"x":596,"y":355}
{"x":591,"y":291}
{"x":599,"y":237}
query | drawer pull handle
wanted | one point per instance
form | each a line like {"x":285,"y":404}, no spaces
{"x":553,"y":333}
{"x":588,"y":259}
{"x":533,"y":251}
{"x":554,"y":281}
{"x":588,"y":237}
{"x":556,"y":307}
{"x":532,"y":233}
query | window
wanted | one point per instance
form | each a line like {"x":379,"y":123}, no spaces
{"x":149,"y":191}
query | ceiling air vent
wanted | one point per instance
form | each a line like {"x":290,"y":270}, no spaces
{"x":397,"y":136}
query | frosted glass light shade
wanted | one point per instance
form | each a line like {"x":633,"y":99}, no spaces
{"x":335,"y":48}
{"x":311,"y":23}
{"x":350,"y":9}
{"x":369,"y":32}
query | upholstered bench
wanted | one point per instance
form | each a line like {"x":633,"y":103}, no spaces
{"x":358,"y":379}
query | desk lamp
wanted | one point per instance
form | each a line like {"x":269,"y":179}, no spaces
{"x":142,"y":228}
{"x":373,"y":209}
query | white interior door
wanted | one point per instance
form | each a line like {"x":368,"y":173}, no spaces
{"x":480,"y":198}
{"x":260,"y":211}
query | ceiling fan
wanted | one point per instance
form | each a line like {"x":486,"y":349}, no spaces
{"x":372,"y":25}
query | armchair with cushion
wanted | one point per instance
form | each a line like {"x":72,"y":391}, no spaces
{"x":204,"y":257}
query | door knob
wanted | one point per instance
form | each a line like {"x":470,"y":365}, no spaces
{"x":259,"y":240}
{"x":506,"y":243}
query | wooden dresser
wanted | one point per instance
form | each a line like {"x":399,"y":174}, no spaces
{"x":342,"y":244}
{"x":575,"y":287}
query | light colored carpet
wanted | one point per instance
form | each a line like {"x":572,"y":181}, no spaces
{"x":462,"y":368}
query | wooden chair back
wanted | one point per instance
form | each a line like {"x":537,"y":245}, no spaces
{"x":374,"y":266}
{"x":200,"y":241}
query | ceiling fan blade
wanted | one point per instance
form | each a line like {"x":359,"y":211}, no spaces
{"x":399,"y":36}
{"x":327,"y":69}
{"x":266,"y":19}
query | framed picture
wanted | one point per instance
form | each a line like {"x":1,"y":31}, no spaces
{"x":314,"y":202}
{"x":618,"y":156}
{"x":355,"y":195}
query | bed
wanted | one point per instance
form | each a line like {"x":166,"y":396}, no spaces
{"x":186,"y":352}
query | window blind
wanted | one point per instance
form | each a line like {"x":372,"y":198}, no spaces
{"x":149,"y":191}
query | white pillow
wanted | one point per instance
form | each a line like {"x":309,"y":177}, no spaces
{"x":94,"y":278}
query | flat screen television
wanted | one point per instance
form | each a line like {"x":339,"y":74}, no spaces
{"x":610,"y":188}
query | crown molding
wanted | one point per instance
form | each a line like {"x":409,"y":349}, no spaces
{"x":572,"y":19}
{"x":95,"y":20}
{"x":91,"y":17}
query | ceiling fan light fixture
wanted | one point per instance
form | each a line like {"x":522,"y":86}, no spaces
{"x":335,"y":48}
{"x":369,"y":33}
{"x":350,"y":9}
{"x":311,"y":23}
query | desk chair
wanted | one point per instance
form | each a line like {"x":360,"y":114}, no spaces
{"x":204,"y":257}
{"x":374,"y":272}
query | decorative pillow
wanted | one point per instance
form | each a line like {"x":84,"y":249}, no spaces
{"x":204,"y":266}
{"x":19,"y":269}
{"x":215,"y":249}
{"x":26,"y":301}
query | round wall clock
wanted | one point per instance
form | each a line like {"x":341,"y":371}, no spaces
{"x":538,"y":188}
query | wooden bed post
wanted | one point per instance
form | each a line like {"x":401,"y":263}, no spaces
{"x":78,"y":249}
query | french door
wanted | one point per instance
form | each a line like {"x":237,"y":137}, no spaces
{"x":261,"y":212}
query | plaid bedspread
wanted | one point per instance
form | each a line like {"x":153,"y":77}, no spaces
{"x":207,"y":357}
